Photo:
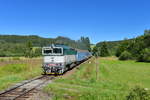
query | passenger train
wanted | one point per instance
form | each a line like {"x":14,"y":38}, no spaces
{"x":59,"y":58}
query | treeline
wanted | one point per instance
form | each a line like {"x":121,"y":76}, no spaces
{"x":30,"y":46}
{"x":137,"y":48}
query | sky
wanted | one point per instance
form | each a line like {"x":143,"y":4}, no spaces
{"x":100,"y":20}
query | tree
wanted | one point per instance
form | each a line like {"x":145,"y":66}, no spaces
{"x":29,"y":51}
{"x":144,"y":55}
{"x":103,"y":50}
{"x":37,"y":52}
{"x":86,"y":42}
{"x":95,"y":50}
{"x":2,"y":53}
{"x":122,"y":47}
{"x":146,"y":32}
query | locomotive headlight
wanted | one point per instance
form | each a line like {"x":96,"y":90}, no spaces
{"x":59,"y":64}
{"x":53,"y":64}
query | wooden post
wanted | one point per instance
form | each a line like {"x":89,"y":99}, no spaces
{"x":96,"y":66}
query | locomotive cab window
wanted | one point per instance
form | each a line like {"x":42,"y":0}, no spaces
{"x":48,"y":51}
{"x":57,"y":50}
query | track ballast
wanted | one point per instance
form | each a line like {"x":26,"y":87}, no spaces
{"x":24,"y":90}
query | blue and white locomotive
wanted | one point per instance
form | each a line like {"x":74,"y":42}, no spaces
{"x":60,"y":58}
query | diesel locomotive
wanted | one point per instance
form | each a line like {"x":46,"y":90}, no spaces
{"x":59,"y":58}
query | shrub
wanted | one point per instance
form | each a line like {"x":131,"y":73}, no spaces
{"x":139,"y":93}
{"x":16,"y":58}
{"x":144,"y":55}
{"x":1,"y":60}
{"x":125,"y":56}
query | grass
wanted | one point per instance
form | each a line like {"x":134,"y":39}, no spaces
{"x":12,"y":72}
{"x":114,"y":80}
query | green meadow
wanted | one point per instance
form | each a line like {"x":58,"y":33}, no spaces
{"x":110,"y":80}
{"x":14,"y":70}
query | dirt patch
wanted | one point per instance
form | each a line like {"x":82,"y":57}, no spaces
{"x":40,"y":95}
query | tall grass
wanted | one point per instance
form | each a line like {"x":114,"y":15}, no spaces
{"x":10,"y":74}
{"x":13,"y":68}
{"x":113,"y":81}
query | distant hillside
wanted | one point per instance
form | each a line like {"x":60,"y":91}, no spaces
{"x":12,"y":45}
{"x":36,"y":40}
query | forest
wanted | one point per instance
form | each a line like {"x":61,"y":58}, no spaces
{"x":136,"y":48}
{"x":30,"y":46}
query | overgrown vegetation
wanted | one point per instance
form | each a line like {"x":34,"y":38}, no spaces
{"x":116,"y":80}
{"x":139,"y":93}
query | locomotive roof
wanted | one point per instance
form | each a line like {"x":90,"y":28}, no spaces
{"x":63,"y":46}
{"x":68,"y":47}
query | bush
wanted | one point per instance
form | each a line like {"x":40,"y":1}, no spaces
{"x":16,"y":58}
{"x":1,"y":60}
{"x":139,"y":93}
{"x":125,"y":56}
{"x":144,"y":55}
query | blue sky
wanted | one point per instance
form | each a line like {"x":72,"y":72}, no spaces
{"x":98,"y":19}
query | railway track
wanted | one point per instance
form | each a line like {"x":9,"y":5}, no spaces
{"x":25,"y":90}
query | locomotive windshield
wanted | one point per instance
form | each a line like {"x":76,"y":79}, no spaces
{"x":52,"y":51}
{"x":47,"y":51}
{"x":57,"y":50}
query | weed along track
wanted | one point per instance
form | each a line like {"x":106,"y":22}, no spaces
{"x":26,"y":89}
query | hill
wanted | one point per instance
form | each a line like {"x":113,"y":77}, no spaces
{"x":14,"y":45}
